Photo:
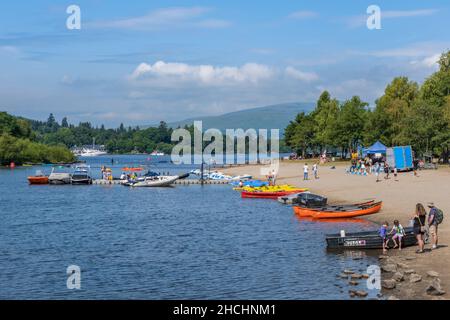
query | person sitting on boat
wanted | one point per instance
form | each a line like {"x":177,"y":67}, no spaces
{"x":383,"y":234}
{"x":123,"y":176}
{"x":241,"y":184}
{"x":399,"y":233}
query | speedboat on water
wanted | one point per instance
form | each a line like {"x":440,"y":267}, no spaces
{"x":152,"y":181}
{"x":38,"y":178}
{"x":81,"y":175}
{"x":59,"y":176}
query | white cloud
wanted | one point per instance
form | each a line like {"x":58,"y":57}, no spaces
{"x":202,"y":74}
{"x":428,"y":62}
{"x":303,"y":14}
{"x":300,"y":75}
{"x":165,"y":18}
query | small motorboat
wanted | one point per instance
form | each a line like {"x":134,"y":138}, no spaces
{"x":270,"y":194}
{"x":81,"y":176}
{"x":38,"y":178}
{"x":310,"y":200}
{"x":152,"y":181}
{"x":340,"y":211}
{"x":59,"y":176}
{"x":366,"y":240}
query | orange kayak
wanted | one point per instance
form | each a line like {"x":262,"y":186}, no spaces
{"x":269,"y":195}
{"x":304,"y":212}
{"x":348,"y":211}
{"x":38,"y":180}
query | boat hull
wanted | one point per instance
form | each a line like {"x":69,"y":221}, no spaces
{"x":320,"y":213}
{"x":366,"y":240}
{"x":269,"y":195}
{"x":38,"y":180}
{"x":156,"y":183}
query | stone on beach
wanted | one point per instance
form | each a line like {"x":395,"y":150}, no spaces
{"x":389,"y":284}
{"x":356,"y":276}
{"x":398,"y":276}
{"x":389,"y":267}
{"x":435,"y":288}
{"x":393,"y":298}
{"x":409,"y":271}
{"x":348,"y":271}
{"x":414,"y":277}
{"x":353,"y":283}
{"x":432,"y":274}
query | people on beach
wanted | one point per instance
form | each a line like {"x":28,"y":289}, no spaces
{"x":377,"y":171}
{"x":395,"y":174}
{"x":387,"y":170}
{"x":435,"y":217}
{"x":399,"y":233}
{"x":316,"y":171}
{"x":419,"y":226}
{"x":305,"y":171}
{"x":274,"y":177}
{"x":383,"y":234}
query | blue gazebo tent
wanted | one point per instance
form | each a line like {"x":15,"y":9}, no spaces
{"x":377,"y":147}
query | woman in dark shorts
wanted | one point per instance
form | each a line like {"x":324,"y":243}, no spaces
{"x":419,"y":226}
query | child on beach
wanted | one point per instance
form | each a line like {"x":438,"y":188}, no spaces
{"x":399,"y":233}
{"x":395,"y":173}
{"x":315,"y":171}
{"x":305,"y":171}
{"x":383,"y":234}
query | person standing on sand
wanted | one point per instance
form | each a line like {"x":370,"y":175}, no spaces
{"x":419,"y":226}
{"x":274,"y":177}
{"x":434,"y":218}
{"x":377,"y":171}
{"x":315,"y":171}
{"x":305,"y":171}
{"x":395,"y":174}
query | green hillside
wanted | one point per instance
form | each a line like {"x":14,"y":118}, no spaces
{"x":270,"y":117}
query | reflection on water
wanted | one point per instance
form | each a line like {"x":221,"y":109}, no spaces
{"x":185,"y":242}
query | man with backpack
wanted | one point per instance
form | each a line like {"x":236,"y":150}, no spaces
{"x":435,"y":218}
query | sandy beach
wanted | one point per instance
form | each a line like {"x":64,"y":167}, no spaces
{"x":399,"y":198}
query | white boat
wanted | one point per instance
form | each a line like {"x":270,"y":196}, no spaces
{"x":81,"y":175}
{"x":90,"y":151}
{"x":158,"y":181}
{"x":59,"y":177}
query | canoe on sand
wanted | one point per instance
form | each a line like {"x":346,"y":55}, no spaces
{"x":344,"y":211}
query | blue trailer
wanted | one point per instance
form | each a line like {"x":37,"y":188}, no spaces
{"x":400,"y":158}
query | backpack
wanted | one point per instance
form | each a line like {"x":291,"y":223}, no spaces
{"x":438,"y":216}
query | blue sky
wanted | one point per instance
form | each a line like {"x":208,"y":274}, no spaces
{"x":143,"y":61}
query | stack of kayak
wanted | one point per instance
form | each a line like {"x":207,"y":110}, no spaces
{"x":270,"y":192}
{"x":318,"y":209}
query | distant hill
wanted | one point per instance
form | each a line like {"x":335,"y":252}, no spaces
{"x":269,"y":117}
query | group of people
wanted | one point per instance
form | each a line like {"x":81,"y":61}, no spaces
{"x":372,"y":166}
{"x":315,"y":170}
{"x":422,"y":228}
{"x":106,"y":173}
{"x":272,"y":178}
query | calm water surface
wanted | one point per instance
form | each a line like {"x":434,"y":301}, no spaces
{"x":185,"y":242}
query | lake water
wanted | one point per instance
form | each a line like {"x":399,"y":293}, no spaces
{"x":185,"y":242}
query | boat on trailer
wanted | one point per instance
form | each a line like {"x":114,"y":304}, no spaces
{"x":366,"y":240}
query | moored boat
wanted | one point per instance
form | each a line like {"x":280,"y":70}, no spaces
{"x":269,"y":194}
{"x":59,"y":176}
{"x":152,"y":181}
{"x":81,"y":176}
{"x":38,"y":178}
{"x":366,"y":240}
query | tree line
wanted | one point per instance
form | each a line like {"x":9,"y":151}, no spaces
{"x":406,"y":114}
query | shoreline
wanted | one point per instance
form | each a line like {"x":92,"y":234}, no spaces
{"x":399,"y":199}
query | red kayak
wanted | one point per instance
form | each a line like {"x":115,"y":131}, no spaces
{"x":269,"y":195}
